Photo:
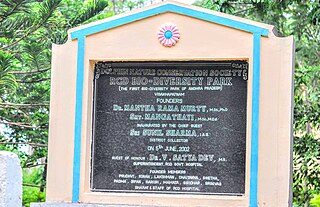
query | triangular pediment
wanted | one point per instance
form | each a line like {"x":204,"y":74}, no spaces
{"x":172,"y":7}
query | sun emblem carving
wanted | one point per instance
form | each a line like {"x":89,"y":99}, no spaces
{"x":169,"y":35}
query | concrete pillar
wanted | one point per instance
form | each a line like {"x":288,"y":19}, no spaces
{"x":10,"y":180}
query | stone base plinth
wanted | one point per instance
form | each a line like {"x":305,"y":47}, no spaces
{"x":51,"y":204}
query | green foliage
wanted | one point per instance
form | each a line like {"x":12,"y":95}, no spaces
{"x":307,"y":142}
{"x":315,"y":201}
{"x":307,"y":94}
{"x":92,"y":9}
{"x":27,"y":31}
{"x":7,"y":81}
{"x":33,"y":193}
{"x":120,"y":6}
{"x":306,"y":168}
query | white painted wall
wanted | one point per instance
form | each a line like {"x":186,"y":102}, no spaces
{"x":10,"y":180}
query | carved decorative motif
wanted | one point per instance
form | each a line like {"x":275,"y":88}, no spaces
{"x":102,"y":68}
{"x":242,"y":66}
{"x":168,"y":35}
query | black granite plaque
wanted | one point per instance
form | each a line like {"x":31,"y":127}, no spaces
{"x":170,"y":127}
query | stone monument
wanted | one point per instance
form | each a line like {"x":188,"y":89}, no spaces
{"x":171,"y":105}
{"x":10,"y":180}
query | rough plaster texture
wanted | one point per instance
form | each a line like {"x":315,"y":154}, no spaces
{"x":49,"y":204}
{"x":10,"y":180}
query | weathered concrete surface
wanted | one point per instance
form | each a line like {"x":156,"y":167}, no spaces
{"x":10,"y":180}
{"x":50,"y":204}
